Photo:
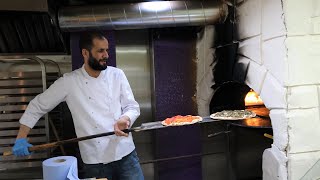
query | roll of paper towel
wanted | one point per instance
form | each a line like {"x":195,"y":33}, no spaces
{"x":60,"y":168}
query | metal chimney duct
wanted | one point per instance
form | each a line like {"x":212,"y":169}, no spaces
{"x":141,"y":15}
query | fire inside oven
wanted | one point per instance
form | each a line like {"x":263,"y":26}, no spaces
{"x":254,"y":103}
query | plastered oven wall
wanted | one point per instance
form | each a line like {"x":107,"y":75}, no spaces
{"x":280,"y":42}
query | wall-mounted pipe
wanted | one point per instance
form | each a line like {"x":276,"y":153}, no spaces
{"x":141,"y":15}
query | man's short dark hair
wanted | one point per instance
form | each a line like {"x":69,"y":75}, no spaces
{"x":86,"y":38}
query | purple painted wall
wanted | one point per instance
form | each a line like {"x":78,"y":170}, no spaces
{"x":174,"y":55}
{"x":77,"y":59}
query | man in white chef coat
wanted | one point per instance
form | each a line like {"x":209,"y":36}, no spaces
{"x":100,"y":100}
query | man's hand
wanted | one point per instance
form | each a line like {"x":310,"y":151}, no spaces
{"x":121,"y":124}
{"x":20,"y":147}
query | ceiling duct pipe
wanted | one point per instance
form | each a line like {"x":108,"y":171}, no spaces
{"x":156,"y":14}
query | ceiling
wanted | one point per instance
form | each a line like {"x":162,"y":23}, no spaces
{"x":29,"y":32}
{"x":32,"y":28}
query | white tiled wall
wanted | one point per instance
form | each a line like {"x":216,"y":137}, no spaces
{"x":249,"y":16}
{"x":280,"y":128}
{"x":274,"y":166}
{"x":302,"y":18}
{"x":255,"y":76}
{"x":281,"y":40}
{"x":303,"y":60}
{"x":272,"y":19}
{"x":304,"y":134}
{"x":302,"y":97}
{"x":251,"y":48}
{"x":302,"y":164}
{"x":274,"y":57}
{"x":273,"y":93}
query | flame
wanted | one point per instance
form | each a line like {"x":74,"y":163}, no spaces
{"x":252,"y":98}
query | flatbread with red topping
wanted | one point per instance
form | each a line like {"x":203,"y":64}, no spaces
{"x":181,"y":120}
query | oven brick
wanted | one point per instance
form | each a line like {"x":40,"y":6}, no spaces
{"x":280,"y":128}
{"x":299,"y":164}
{"x":255,"y":76}
{"x":272,"y":19}
{"x":303,"y":97}
{"x":274,"y":164}
{"x":303,"y":60}
{"x":273,"y":93}
{"x":307,"y":21}
{"x":249,"y":18}
{"x":274,"y":58}
{"x":303,"y":129}
{"x":251,"y":48}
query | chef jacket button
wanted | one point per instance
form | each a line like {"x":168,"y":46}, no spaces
{"x":86,"y":82}
{"x":89,"y":97}
{"x":98,"y":141}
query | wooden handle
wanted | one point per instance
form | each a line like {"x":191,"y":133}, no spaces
{"x":7,"y":153}
{"x":35,"y":148}
{"x":58,"y":143}
{"x":268,"y":135}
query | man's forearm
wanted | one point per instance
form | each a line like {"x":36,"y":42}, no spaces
{"x":23,"y":131}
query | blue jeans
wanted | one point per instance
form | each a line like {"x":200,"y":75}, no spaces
{"x":127,"y":168}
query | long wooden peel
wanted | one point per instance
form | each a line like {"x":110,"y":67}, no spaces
{"x":73,"y":140}
{"x":143,"y":127}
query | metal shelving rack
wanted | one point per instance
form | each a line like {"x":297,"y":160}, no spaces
{"x":17,"y":89}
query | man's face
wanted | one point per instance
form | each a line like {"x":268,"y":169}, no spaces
{"x":98,"y":55}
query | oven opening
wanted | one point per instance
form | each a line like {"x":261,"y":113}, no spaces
{"x":253,"y":99}
{"x":254,"y":103}
{"x":246,"y":137}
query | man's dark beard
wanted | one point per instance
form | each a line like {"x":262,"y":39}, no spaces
{"x":95,"y":64}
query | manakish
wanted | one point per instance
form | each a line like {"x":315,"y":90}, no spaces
{"x":233,"y":115}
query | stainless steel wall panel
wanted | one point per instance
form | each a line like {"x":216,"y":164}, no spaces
{"x":133,"y":57}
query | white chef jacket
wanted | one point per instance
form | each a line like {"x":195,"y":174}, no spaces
{"x":95,"y":104}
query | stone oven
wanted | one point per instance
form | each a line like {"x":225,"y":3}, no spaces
{"x":279,"y":47}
